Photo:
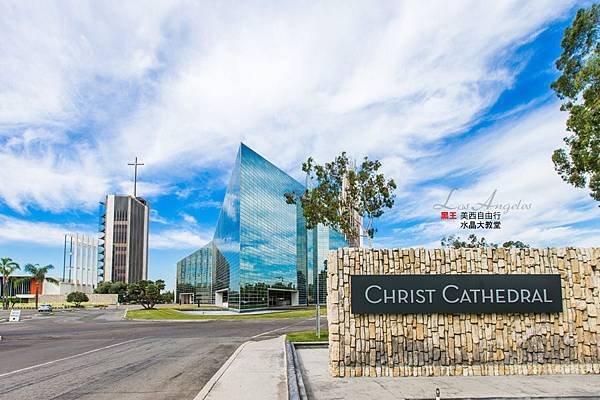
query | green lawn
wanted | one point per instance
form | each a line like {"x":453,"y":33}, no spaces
{"x":307,"y":336}
{"x":188,"y":306}
{"x":169,"y":314}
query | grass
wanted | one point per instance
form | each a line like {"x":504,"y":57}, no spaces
{"x":170,"y":314}
{"x":307,"y":336}
{"x":189,"y":306}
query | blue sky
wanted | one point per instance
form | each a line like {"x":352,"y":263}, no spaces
{"x":447,"y":96}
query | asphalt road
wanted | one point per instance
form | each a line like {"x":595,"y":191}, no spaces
{"x":97,"y":355}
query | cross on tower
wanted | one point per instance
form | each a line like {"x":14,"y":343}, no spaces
{"x":135,"y":166}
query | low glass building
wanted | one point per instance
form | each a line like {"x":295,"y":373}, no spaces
{"x":261,"y":254}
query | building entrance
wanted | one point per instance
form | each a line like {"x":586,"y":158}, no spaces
{"x":186,"y":298}
{"x":280,"y":298}
{"x":222,"y":298}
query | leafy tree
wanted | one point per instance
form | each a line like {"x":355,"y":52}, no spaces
{"x":345,"y":198}
{"x":146,"y":293}
{"x":579,"y":89}
{"x":118,"y":288}
{"x":167,"y":297}
{"x":77,"y":298}
{"x":473,"y":242}
{"x":516,"y":244}
{"x":39,"y":275}
{"x":13,"y":300}
{"x":7,"y":267}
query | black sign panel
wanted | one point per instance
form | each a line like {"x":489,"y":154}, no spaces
{"x":455,"y":294}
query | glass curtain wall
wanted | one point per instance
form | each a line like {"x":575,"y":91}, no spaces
{"x":195,"y":275}
{"x":271,"y":236}
{"x":261,"y":254}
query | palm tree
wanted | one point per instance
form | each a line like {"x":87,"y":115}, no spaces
{"x":39,"y":274}
{"x":7,"y":267}
{"x":14,"y":283}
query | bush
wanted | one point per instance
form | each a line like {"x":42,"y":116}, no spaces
{"x":13,"y":300}
{"x":118,"y":288}
{"x":167,"y":297}
{"x":146,"y":293}
{"x":77,"y":298}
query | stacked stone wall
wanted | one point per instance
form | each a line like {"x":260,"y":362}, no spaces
{"x":465,"y":344}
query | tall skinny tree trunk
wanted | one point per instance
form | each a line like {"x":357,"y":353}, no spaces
{"x":4,"y":296}
{"x":36,"y":294}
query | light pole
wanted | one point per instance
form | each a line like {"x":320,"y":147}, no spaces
{"x":318,"y":308}
{"x":319,"y":305}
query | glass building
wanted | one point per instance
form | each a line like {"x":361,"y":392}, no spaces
{"x":261,"y":254}
{"x":194,"y":276}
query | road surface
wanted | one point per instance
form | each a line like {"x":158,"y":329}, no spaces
{"x":98,"y":355}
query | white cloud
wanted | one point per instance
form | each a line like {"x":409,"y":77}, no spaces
{"x":51,"y":180}
{"x":180,"y":84}
{"x":320,"y":77}
{"x":48,"y":234}
{"x":179,"y":239}
{"x":206,"y":204}
{"x":514,"y":158}
{"x":53,"y":52}
{"x":189,"y":219}
{"x":156,"y":217}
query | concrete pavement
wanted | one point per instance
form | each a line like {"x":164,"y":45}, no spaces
{"x":321,"y":386}
{"x":255,"y":371}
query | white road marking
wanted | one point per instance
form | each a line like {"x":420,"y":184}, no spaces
{"x":275,"y":330}
{"x":68,"y":358}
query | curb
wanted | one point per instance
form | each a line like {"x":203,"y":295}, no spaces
{"x":311,"y":344}
{"x":296,"y":388}
{"x":166,"y":320}
{"x":215,"y":378}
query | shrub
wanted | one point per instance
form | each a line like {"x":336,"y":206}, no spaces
{"x":77,"y":298}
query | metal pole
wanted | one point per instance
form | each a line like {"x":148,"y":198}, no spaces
{"x":70,"y":257}
{"x":318,"y":308}
{"x":135,"y":178}
{"x":65,"y":259}
{"x":135,"y":165}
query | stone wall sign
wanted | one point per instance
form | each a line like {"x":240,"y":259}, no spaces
{"x":423,"y":336}
{"x":457,"y":294}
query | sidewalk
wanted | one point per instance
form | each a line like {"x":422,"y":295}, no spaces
{"x":321,"y":386}
{"x":256,"y":370}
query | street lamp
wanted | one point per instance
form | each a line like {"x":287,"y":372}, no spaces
{"x":319,"y":305}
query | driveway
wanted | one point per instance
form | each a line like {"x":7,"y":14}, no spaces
{"x":97,"y":355}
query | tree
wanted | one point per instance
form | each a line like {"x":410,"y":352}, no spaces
{"x":146,"y":293}
{"x":77,"y":298}
{"x":167,"y":297}
{"x":118,"y":288}
{"x":345,"y":198}
{"x":13,"y":300}
{"x":515,"y":244}
{"x":579,"y":89}
{"x":7,"y":267}
{"x":39,"y":275}
{"x":473,"y":242}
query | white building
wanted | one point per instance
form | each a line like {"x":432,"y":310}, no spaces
{"x":80,"y":266}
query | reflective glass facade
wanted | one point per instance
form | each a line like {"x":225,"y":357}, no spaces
{"x":321,"y":240}
{"x":262,"y":254}
{"x":195,"y":275}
